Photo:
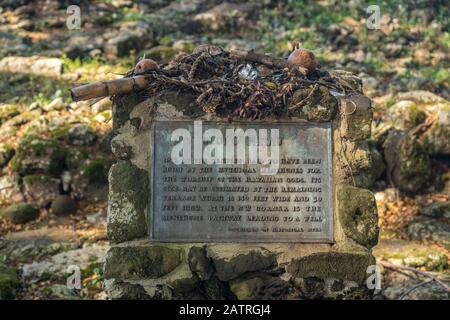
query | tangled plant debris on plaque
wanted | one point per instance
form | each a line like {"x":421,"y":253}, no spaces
{"x":231,"y":84}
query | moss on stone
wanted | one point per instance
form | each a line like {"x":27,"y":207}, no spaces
{"x":36,"y":178}
{"x":122,"y":108}
{"x":76,"y":158}
{"x":162,"y":54}
{"x":128,"y":201}
{"x":133,"y":262}
{"x":35,"y":154}
{"x":356,"y":118}
{"x":232,"y":261}
{"x":184,"y":102}
{"x":408,"y":164}
{"x":8,"y":111}
{"x":437,"y":138}
{"x":358,"y":215}
{"x":6,"y":153}
{"x":20,"y":213}
{"x":340,"y":265}
{"x":60,"y":132}
{"x":9,"y":282}
{"x":321,"y":106}
{"x":405,"y":115}
{"x":96,"y":171}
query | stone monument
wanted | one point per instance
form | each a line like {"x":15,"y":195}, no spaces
{"x":212,"y":229}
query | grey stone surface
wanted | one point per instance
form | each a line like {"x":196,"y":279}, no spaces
{"x":40,"y":189}
{"x":234,"y":260}
{"x":20,"y":213}
{"x":134,"y":262}
{"x":128,"y":202}
{"x":358,"y":215}
{"x":408,"y":165}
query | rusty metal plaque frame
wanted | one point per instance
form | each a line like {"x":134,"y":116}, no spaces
{"x":315,"y":138}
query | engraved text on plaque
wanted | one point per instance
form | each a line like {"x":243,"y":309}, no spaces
{"x":238,"y":202}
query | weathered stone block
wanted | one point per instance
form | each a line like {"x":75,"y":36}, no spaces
{"x":261,"y":286}
{"x":356,"y":117}
{"x":358,"y":215}
{"x":134,"y":262}
{"x":40,"y":189}
{"x":314,"y":104}
{"x":128,"y":201}
{"x":350,"y":266}
{"x":234,"y":260}
{"x":359,"y":163}
{"x":408,"y":165}
{"x":199,"y":263}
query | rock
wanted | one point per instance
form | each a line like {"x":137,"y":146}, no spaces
{"x":56,"y":105}
{"x":63,"y":205}
{"x":102,"y":105}
{"x":360,"y":163}
{"x":121,"y":290}
{"x":76,"y":158}
{"x":132,"y":36}
{"x":420,"y":96}
{"x":358,"y":215}
{"x":80,"y":46}
{"x":40,"y":189}
{"x":7,"y":111}
{"x":393,"y":50}
{"x":411,"y":254}
{"x":81,"y":135}
{"x":398,"y":284}
{"x":24,"y":250}
{"x":313,"y":288}
{"x":437,"y":210}
{"x":405,"y":115}
{"x":352,"y":266}
{"x":97,"y":219}
{"x":232,"y":261}
{"x":37,"y":155}
{"x":356,"y":117}
{"x":56,"y":266}
{"x":35,"y":65}
{"x":127,"y":206}
{"x":44,"y":235}
{"x":103,"y":116}
{"x":9,"y":282}
{"x":437,"y":138}
{"x":430,"y":230}
{"x":91,"y":180}
{"x":182,"y":280}
{"x":162,"y":54}
{"x":408,"y":165}
{"x":199,"y":263}
{"x":105,"y":142}
{"x":353,"y":80}
{"x":259,"y":287}
{"x":227,"y":17}
{"x":10,"y":189}
{"x":20,"y":213}
{"x":62,"y":292}
{"x":321,"y":107}
{"x":141,"y":261}
{"x":214,"y":289}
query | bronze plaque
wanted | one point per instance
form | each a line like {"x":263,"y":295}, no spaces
{"x":209,"y":185}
